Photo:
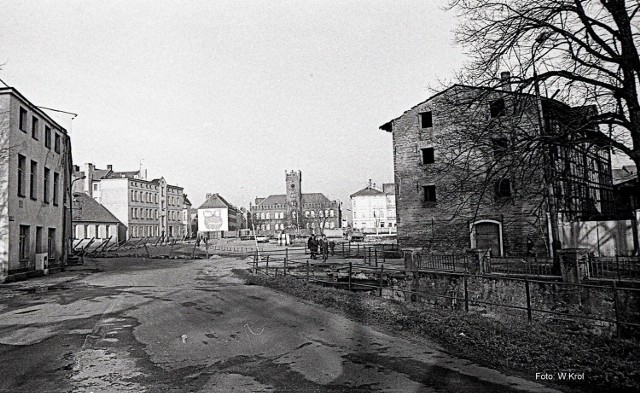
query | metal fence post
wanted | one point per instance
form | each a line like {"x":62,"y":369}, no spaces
{"x":350,"y":272}
{"x":267,"y":267}
{"x":380,"y":288}
{"x":466,"y":293}
{"x":618,"y":267}
{"x":255,"y":263}
{"x":343,"y":249}
{"x":307,"y":270}
{"x":286,"y":257}
{"x":616,"y":307}
{"x":375,"y":255}
{"x":526,"y":287}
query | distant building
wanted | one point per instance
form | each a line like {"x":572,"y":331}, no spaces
{"x":35,"y":164}
{"x":218,"y":218}
{"x":374,"y":210}
{"x":91,"y":220}
{"x":148,"y":208}
{"x":295,"y":212}
{"x":187,"y":223}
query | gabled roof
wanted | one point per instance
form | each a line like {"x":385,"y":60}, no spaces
{"x":624,"y":174}
{"x":367,"y":191}
{"x":86,"y":209}
{"x":186,"y":200}
{"x":216,"y":201}
{"x":281,"y":199}
{"x":126,"y":174}
{"x":388,"y":126}
{"x":274,"y":200}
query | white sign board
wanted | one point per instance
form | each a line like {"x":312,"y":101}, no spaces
{"x":213,"y":220}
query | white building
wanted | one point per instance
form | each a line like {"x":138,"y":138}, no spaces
{"x":35,"y":165}
{"x":374,"y":210}
{"x":148,"y":208}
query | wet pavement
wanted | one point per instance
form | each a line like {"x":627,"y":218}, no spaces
{"x":137,"y":325}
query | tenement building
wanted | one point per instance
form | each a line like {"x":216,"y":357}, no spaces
{"x":495,"y":169}
{"x":35,"y":165}
{"x":374,"y":210}
{"x":148,"y":208}
{"x":295,"y":212}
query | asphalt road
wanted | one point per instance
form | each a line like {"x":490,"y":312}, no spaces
{"x":192,"y":326}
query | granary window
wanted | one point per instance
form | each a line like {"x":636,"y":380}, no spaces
{"x":426,"y":119}
{"x":427,"y":155}
{"x":503,"y":188}
{"x":499,"y":146}
{"x":429,"y":193}
{"x":497,"y":108}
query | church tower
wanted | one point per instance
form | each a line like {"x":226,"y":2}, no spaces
{"x":294,"y":198}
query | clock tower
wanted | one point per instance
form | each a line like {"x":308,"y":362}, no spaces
{"x":294,"y":198}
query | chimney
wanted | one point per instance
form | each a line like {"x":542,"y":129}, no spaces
{"x":209,"y":195}
{"x":110,"y":167}
{"x":369,"y":183}
{"x":505,"y":80}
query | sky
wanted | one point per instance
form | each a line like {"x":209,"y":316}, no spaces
{"x":224,"y":97}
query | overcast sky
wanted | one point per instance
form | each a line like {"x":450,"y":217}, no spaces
{"x":225,"y":96}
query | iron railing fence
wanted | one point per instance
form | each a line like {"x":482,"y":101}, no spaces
{"x":359,"y":277}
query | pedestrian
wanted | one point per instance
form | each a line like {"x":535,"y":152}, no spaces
{"x":529,"y":246}
{"x":332,"y":247}
{"x":312,"y":244}
{"x":324,"y":247}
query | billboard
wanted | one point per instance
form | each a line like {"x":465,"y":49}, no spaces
{"x":213,"y":220}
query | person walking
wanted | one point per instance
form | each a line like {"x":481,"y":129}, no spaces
{"x":312,"y":244}
{"x":324,"y":247}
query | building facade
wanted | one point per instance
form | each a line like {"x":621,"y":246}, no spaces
{"x":187,"y":221}
{"x":295,"y":212}
{"x":374,"y":210}
{"x":148,"y":208}
{"x":445,"y":147}
{"x":218,"y":218}
{"x":35,"y":165}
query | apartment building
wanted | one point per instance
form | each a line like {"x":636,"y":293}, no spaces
{"x":35,"y":165}
{"x":374,"y":210}
{"x":148,"y":208}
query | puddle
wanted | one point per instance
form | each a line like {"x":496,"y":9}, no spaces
{"x":52,"y":288}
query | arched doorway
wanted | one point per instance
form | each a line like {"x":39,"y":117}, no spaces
{"x":487,"y":235}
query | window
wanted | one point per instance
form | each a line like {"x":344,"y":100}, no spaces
{"x":426,"y":119}
{"x":47,"y":137}
{"x":22,"y":163}
{"x":33,"y":181}
{"x":427,"y":155}
{"x":429,"y":193}
{"x":23,"y":120}
{"x":97,"y":229}
{"x":51,"y":243}
{"x":56,"y":187}
{"x":497,"y":108}
{"x":45,"y":185}
{"x":95,"y":186}
{"x":23,"y":246}
{"x":500,"y":146}
{"x":34,"y":128}
{"x":57,"y":143}
{"x":503,"y":188}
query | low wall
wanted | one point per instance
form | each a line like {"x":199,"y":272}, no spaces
{"x":446,"y":290}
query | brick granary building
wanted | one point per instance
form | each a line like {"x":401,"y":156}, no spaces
{"x":295,"y":212}
{"x":446,"y":147}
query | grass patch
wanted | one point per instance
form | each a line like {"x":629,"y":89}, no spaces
{"x":609,"y":365}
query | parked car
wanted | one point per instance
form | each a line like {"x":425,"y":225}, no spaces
{"x":262,"y":239}
{"x":355,"y":236}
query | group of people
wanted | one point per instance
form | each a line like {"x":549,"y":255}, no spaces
{"x":314,"y":244}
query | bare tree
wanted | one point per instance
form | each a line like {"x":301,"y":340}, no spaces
{"x":583,"y":53}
